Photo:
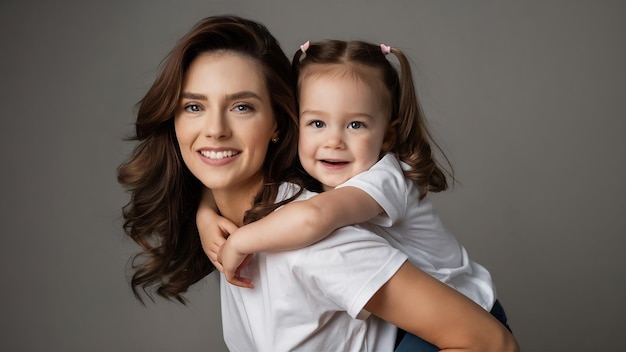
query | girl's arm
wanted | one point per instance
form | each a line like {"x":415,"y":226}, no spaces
{"x":422,"y":305}
{"x":212,"y":228}
{"x":296,"y":225}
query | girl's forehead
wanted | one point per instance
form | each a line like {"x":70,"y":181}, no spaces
{"x":360,"y":75}
{"x":339,"y":70}
{"x":346,"y":73}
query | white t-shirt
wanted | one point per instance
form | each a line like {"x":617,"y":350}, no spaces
{"x":312,"y":299}
{"x":413,"y":226}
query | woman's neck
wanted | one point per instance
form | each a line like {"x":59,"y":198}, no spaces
{"x":233,"y":203}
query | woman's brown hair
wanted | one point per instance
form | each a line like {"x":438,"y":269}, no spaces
{"x":407,"y":135}
{"x":160,"y":215}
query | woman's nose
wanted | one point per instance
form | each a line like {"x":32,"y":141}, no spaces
{"x":216,"y":125}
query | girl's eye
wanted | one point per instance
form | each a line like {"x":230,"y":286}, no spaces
{"x":356,"y":124}
{"x":192,"y":107}
{"x":317,"y":124}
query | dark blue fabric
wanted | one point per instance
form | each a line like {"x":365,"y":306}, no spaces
{"x":412,"y":343}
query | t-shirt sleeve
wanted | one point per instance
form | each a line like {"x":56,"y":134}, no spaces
{"x":386,"y":184}
{"x":348,"y":267}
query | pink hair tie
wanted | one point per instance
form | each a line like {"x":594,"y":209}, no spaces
{"x":305,"y":46}
{"x":386,"y":49}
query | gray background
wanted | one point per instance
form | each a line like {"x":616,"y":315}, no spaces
{"x":526,"y":98}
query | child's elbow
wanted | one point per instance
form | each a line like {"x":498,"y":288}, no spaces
{"x":315,"y":222}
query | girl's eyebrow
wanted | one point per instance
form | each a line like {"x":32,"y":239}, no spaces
{"x":361,"y":114}
{"x":314,"y":112}
{"x":350,"y":115}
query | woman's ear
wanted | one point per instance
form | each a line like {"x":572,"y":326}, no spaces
{"x":275,"y":137}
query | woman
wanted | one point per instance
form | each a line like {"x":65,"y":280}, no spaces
{"x":221,"y":116}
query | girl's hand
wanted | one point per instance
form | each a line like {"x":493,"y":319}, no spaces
{"x":233,"y":261}
{"x":213,"y":230}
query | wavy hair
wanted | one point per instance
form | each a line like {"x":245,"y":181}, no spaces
{"x":160,"y":215}
{"x":407,"y":135}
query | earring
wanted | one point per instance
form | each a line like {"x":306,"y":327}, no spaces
{"x":275,"y":139}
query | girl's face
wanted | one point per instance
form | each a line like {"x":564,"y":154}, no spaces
{"x":224,"y":122}
{"x":342,"y":127}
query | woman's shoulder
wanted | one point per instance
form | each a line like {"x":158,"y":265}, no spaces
{"x":288,"y":190}
{"x":391,"y":161}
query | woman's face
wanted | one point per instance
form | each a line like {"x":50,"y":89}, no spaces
{"x":224,"y":122}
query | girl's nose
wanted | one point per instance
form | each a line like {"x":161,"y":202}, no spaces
{"x":334,"y":139}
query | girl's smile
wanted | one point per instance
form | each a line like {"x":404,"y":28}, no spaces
{"x":342,"y":127}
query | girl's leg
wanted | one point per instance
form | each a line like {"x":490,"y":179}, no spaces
{"x":411,"y":343}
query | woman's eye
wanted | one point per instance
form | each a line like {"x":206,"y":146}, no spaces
{"x":356,"y":124}
{"x":192,"y":107}
{"x":317,"y":124}
{"x":243,"y":108}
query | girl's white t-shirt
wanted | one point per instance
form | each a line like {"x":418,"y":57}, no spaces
{"x":312,"y":299}
{"x":414,"y":227}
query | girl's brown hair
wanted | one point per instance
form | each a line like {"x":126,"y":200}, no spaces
{"x":407,"y":135}
{"x":160,"y":215}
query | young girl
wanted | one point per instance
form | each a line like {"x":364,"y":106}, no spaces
{"x":364,"y":138}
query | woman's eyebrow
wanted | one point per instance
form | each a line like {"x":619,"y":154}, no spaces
{"x":234,"y":96}
{"x":193,"y":96}
{"x":243,"y":95}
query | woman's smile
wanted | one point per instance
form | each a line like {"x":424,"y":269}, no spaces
{"x":225,"y":122}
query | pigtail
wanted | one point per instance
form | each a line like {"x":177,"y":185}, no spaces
{"x":412,"y":141}
{"x":295,"y":68}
